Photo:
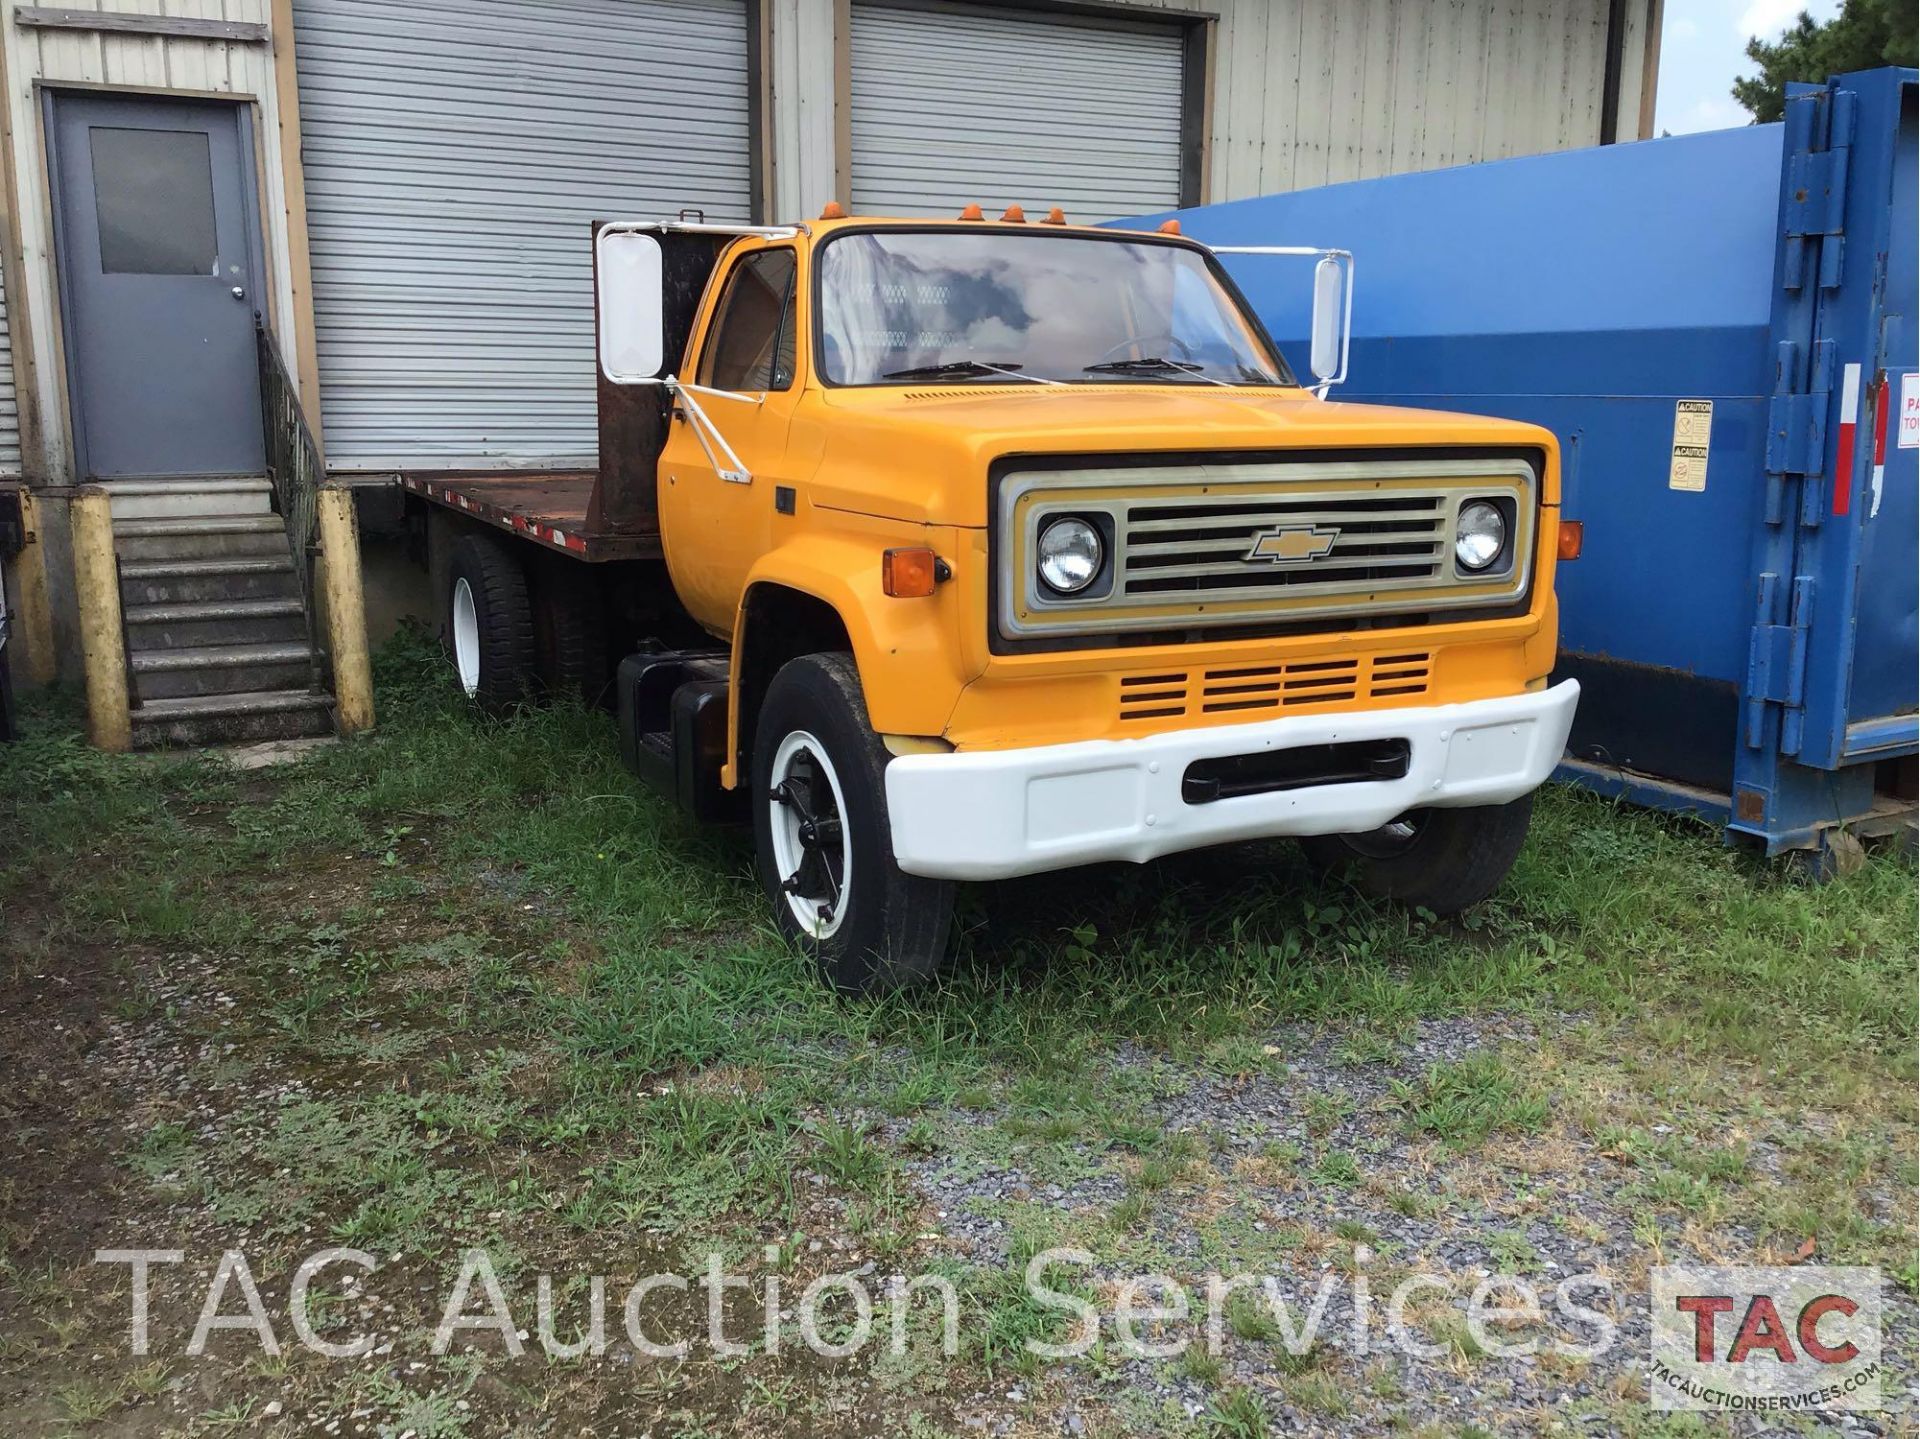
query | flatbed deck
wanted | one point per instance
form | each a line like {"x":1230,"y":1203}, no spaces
{"x":550,"y":507}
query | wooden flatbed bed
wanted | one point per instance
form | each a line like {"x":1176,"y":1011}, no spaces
{"x":554,"y":508}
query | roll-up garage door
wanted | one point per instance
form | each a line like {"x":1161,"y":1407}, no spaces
{"x":456,"y":153}
{"x":957,"y":103}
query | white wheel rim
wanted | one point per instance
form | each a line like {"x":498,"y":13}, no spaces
{"x":466,"y":637}
{"x":802,"y":770}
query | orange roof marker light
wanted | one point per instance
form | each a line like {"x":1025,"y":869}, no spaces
{"x":1015,"y":215}
{"x":833,"y":210}
{"x":1055,"y":216}
{"x":1169,"y":227}
{"x":972,"y":212}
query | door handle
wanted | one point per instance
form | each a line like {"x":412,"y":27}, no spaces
{"x":239,"y":292}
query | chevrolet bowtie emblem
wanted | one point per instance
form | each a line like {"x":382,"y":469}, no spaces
{"x":1292,"y":544}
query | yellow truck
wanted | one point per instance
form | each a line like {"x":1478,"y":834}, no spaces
{"x":965,"y":549}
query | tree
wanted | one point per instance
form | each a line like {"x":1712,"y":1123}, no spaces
{"x":1864,"y":34}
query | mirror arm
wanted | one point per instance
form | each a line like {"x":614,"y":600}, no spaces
{"x":707,"y":433}
{"x":1345,"y":259}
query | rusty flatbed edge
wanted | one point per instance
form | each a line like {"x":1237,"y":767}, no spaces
{"x":548,"y":507}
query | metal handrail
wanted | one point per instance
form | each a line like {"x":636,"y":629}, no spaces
{"x":296,"y":474}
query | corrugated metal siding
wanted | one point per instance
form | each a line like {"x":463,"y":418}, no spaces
{"x":959,"y":104}
{"x":1303,"y":91}
{"x":456,"y":152}
{"x":9,"y":401}
{"x":1311,"y":93}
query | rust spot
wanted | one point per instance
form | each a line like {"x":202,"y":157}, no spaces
{"x":1749,"y":806}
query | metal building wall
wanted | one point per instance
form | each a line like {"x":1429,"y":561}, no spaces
{"x":456,"y":153}
{"x":1303,"y":91}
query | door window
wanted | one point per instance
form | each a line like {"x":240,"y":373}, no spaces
{"x":153,"y":192}
{"x":752,"y":344}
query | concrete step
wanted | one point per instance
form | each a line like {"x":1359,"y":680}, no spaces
{"x":203,"y":537}
{"x":202,"y":623}
{"x":174,"y":499}
{"x":220,"y":669}
{"x":232,"y":718}
{"x":244,"y":577}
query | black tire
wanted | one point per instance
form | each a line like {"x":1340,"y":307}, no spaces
{"x":569,"y":634}
{"x":1444,"y":860}
{"x":892,"y":929}
{"x":497,"y":671}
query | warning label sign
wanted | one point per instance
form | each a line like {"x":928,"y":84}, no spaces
{"x":1692,"y":437}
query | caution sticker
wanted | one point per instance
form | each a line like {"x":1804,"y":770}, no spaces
{"x":1692,"y":437}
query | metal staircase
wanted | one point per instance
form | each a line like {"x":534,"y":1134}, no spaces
{"x":219,"y":643}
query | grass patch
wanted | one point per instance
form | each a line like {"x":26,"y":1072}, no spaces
{"x":1462,"y":1103}
{"x":502,"y":992}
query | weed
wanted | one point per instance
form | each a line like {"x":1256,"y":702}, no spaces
{"x":1464,"y":1102}
{"x":1237,"y":1413}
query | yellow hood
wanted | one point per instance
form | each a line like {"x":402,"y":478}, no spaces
{"x":922,"y":454}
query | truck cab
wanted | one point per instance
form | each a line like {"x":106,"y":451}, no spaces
{"x":1018,"y":546}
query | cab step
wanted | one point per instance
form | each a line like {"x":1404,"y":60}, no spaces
{"x":673,"y":729}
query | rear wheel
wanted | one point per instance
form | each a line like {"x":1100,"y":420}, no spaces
{"x":1444,"y":860}
{"x":823,"y":839}
{"x":489,"y":624}
{"x":569,"y":633}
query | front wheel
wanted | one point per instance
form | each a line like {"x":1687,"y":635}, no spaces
{"x":823,"y":839}
{"x":1444,"y":860}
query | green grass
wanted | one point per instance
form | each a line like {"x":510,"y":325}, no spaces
{"x":1463,"y":1102}
{"x":525,"y":987}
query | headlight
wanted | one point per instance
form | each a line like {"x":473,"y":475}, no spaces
{"x":1480,"y":536}
{"x":1070,"y":554}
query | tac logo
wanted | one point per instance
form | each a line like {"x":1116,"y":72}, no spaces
{"x":1292,"y":544}
{"x":1766,"y":1339}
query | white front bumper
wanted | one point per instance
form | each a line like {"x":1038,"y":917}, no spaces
{"x":992,"y":814}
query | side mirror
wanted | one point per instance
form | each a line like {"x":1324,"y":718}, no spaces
{"x":1332,"y":312}
{"x":627,"y":292}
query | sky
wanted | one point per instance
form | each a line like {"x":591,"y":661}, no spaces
{"x":1703,"y":48}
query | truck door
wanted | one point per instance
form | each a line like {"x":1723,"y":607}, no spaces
{"x":712,"y":527}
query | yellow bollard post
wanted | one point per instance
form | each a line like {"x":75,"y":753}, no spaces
{"x":96,"y":580}
{"x":34,"y":617}
{"x":346,"y":612}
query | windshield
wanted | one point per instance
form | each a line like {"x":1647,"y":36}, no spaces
{"x":900,"y":306}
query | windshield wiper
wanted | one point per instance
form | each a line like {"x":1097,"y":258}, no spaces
{"x":953,"y":368}
{"x":1153,"y":365}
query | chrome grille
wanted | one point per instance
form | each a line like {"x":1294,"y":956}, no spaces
{"x":1240,"y":543}
{"x":1172,"y":549}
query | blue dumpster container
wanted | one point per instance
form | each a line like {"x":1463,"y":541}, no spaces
{"x":1720,"y":328}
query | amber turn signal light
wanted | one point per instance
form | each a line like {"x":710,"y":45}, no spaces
{"x":908,"y":574}
{"x":1572,"y":532}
